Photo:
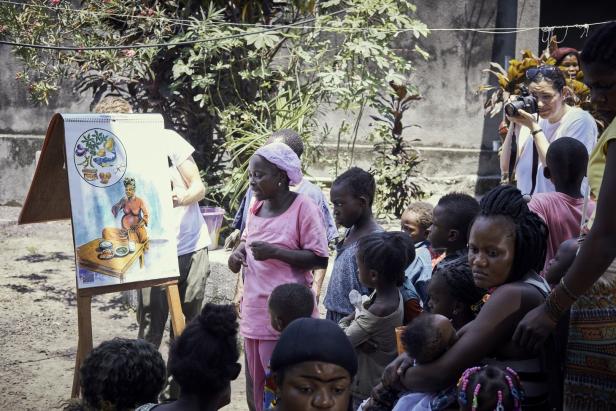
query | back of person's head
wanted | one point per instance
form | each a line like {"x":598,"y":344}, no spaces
{"x":113,"y":104}
{"x":601,"y":46}
{"x":288,"y":302}
{"x":458,"y":277}
{"x":388,"y":253}
{"x":566,"y":161}
{"x":461,"y":210}
{"x":290,"y":138}
{"x":552,"y":75}
{"x":203,"y":359}
{"x":121,"y":374}
{"x":359,"y":182}
{"x":427,"y":337}
{"x":490,"y":388}
{"x":528,"y":228}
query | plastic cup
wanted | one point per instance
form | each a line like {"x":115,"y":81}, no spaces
{"x":213,"y":217}
{"x":399,"y":345}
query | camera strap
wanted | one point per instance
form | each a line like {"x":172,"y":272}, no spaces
{"x":513,"y":154}
{"x":534,"y":169}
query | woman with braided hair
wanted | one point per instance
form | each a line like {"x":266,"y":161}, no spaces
{"x":381,"y":260}
{"x":589,"y":287}
{"x":507,"y":245}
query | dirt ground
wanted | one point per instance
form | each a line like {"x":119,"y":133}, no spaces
{"x":38,"y":321}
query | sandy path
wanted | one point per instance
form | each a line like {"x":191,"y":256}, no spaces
{"x":38,"y":325}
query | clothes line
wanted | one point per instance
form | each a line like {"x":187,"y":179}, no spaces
{"x":265,"y":29}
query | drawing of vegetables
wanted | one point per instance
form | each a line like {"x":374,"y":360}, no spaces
{"x":92,"y":142}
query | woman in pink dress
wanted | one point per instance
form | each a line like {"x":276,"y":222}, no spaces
{"x":283,"y":242}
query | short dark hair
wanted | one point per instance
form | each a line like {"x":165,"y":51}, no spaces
{"x":122,"y":372}
{"x":423,"y":211}
{"x":459,"y":279}
{"x":556,"y":77}
{"x":359,"y":182}
{"x":422,"y":340}
{"x":567,"y":159}
{"x":291,"y":138}
{"x":388,"y":253}
{"x":601,"y":46}
{"x":531,"y":233}
{"x":461,"y":211}
{"x":291,"y":301}
{"x":203,"y":359}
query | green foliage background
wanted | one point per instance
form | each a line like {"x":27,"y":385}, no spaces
{"x":253,"y":67}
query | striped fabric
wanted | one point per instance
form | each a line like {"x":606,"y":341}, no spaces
{"x":590,"y":376}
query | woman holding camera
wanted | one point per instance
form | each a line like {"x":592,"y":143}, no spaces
{"x":556,"y":119}
{"x":589,"y":287}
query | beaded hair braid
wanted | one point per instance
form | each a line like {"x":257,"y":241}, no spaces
{"x":510,"y":375}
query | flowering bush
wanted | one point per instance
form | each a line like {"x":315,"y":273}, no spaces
{"x":230,"y":72}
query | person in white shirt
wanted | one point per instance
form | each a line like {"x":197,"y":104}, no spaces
{"x":556,"y":119}
{"x":192,"y":242}
{"x":193,"y":238}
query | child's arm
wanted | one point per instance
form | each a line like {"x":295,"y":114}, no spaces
{"x":262,"y":250}
{"x":357,"y":329}
{"x":553,"y":277}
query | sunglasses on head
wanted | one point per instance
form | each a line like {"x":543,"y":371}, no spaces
{"x":532,"y":72}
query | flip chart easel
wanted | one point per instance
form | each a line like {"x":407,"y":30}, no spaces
{"x":48,"y":199}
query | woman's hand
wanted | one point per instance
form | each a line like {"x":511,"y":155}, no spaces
{"x":396,"y":369}
{"x":237,"y":259}
{"x":524,"y":119}
{"x":534,"y":329}
{"x":262,"y":250}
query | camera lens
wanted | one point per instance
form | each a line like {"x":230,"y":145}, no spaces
{"x":511,"y":109}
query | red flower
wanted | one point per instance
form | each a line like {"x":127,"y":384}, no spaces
{"x":54,"y":2}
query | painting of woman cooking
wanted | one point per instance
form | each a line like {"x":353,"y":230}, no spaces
{"x":121,"y":202}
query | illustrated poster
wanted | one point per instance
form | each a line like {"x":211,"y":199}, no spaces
{"x":120,"y":191}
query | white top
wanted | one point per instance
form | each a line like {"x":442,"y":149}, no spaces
{"x":192,"y":233}
{"x":576,"y":123}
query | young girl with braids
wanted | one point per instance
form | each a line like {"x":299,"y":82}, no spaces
{"x":589,"y":286}
{"x":453,"y":297}
{"x":490,"y":388}
{"x":507,"y":245}
{"x":204,"y":360}
{"x":381,"y":260}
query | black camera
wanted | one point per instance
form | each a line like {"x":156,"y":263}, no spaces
{"x":525,"y":101}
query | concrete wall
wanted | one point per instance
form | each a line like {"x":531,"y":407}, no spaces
{"x":20,"y":116}
{"x":455,"y":139}
{"x":451,"y":112}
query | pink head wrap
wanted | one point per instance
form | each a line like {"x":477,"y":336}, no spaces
{"x":281,"y":155}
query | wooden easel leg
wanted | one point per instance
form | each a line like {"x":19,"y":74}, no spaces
{"x":84,"y":344}
{"x":175,"y":309}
